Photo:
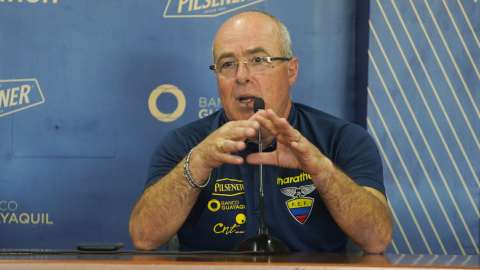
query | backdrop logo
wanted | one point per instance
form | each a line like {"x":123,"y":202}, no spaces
{"x":208,"y":106}
{"x":17,"y":95}
{"x":9,"y":216}
{"x":164,"y":117}
{"x":31,"y":1}
{"x":204,"y":8}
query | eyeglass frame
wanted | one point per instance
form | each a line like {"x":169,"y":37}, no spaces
{"x":268,"y":58}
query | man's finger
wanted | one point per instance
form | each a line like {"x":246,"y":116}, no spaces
{"x":228,"y":146}
{"x":238,"y":133}
{"x":267,"y":124}
{"x":262,"y":158}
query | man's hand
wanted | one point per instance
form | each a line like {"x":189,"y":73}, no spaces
{"x":293,"y":150}
{"x":361,"y":212}
{"x":215,"y":150}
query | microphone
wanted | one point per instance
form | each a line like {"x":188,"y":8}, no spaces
{"x":262,"y":241}
{"x":258,"y":104}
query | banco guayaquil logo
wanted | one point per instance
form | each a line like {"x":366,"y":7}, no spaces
{"x":204,"y":8}
{"x":17,"y":95}
{"x":167,"y":117}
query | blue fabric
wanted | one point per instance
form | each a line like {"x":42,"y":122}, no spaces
{"x":212,"y":225}
{"x":301,"y":211}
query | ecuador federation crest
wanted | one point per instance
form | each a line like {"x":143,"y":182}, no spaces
{"x":299,"y":206}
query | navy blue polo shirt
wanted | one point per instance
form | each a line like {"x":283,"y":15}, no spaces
{"x":227,"y":209}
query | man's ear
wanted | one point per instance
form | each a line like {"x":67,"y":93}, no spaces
{"x":292,"y":70}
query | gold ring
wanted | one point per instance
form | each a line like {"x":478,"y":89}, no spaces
{"x":298,"y":137}
{"x":220,"y":146}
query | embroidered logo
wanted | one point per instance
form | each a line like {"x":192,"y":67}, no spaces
{"x":299,"y":206}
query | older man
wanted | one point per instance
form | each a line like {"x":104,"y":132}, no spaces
{"x":323,"y":176}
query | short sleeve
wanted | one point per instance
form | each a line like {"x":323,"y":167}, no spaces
{"x":168,"y":153}
{"x":357,"y":155}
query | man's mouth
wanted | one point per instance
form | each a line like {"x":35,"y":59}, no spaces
{"x":246,"y":99}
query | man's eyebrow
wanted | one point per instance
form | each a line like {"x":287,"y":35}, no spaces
{"x":256,"y":50}
{"x":225,"y":55}
{"x":249,"y":52}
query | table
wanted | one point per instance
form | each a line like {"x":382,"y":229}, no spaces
{"x":293,"y":261}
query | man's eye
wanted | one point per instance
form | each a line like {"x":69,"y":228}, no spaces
{"x":258,"y":59}
{"x":227,"y":64}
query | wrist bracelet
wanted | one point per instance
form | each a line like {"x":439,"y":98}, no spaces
{"x":188,"y":176}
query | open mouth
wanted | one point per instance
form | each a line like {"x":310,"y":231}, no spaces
{"x":246,"y":99}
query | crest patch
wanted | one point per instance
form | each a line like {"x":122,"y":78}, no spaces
{"x":299,"y":206}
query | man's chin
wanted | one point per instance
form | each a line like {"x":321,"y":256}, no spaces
{"x":239,"y":116}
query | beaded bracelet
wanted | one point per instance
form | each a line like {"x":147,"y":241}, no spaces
{"x":188,"y":176}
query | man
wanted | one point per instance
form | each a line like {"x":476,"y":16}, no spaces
{"x":323,"y":176}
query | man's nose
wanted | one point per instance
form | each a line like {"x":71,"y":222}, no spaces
{"x":243,"y":73}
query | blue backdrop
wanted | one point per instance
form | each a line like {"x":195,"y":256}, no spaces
{"x":423,"y":99}
{"x":88,"y":88}
{"x":74,"y":156}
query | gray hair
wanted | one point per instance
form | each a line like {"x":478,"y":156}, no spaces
{"x":285,"y":40}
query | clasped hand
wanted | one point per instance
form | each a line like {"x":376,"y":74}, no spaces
{"x":293,"y":150}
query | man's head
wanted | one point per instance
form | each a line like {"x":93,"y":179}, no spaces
{"x":247,"y":35}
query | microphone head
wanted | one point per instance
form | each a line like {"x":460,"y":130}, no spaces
{"x":258,"y":104}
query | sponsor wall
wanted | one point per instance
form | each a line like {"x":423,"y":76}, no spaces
{"x":88,"y":88}
{"x":423,"y":99}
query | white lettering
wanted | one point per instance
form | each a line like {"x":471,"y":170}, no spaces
{"x":24,"y":218}
{"x":11,"y":208}
{"x":11,"y":205}
{"x":212,"y":102}
{"x":4,"y":98}
{"x":204,"y":113}
{"x":38,"y":219}
{"x":3,"y":208}
{"x":13,"y":96}
{"x":49,"y":222}
{"x":180,"y":4}
{"x":207,"y":5}
{"x":196,"y":7}
{"x":13,"y":218}
{"x":202,"y":102}
{"x":24,"y":94}
{"x":4,"y":217}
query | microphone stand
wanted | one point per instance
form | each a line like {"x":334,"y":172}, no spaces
{"x":262,"y":241}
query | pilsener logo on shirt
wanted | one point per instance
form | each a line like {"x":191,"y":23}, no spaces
{"x":228,"y":187}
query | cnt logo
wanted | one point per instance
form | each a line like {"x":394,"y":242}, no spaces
{"x":17,"y":95}
{"x":204,"y":8}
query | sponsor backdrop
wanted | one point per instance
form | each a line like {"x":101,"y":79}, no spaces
{"x":88,"y":88}
{"x":423,"y":112}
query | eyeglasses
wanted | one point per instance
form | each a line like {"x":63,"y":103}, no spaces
{"x":255,"y":64}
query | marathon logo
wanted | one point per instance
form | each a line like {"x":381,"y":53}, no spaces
{"x":31,"y":1}
{"x":204,"y":8}
{"x":17,"y":95}
{"x":296,"y":179}
{"x":228,"y":187}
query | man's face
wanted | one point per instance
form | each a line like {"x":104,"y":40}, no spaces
{"x":240,"y":38}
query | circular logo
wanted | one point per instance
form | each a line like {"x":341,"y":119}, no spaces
{"x":241,"y":218}
{"x":152,"y":103}
{"x":211,"y":202}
